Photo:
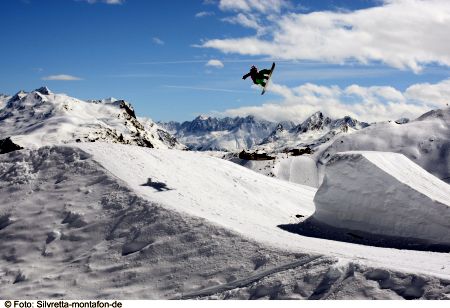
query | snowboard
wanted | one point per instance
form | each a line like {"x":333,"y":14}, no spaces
{"x":268,"y":78}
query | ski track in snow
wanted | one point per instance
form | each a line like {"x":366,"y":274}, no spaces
{"x":248,"y":280}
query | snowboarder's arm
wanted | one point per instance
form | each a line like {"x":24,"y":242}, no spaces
{"x":246,"y":75}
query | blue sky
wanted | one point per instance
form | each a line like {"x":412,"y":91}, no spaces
{"x":155,"y":54}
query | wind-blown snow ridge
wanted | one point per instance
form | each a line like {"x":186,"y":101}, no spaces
{"x":386,"y":194}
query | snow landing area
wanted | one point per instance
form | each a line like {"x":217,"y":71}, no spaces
{"x":243,"y":201}
{"x":384,"y":193}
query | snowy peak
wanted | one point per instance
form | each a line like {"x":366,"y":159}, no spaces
{"x":43,"y":91}
{"x":317,"y":121}
{"x":443,"y":114}
{"x":43,"y":118}
{"x":203,"y":117}
{"x":314,"y":131}
{"x":18,"y":96}
{"x":282,"y":129}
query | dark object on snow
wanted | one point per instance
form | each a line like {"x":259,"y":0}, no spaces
{"x":298,"y":152}
{"x":254,"y":156}
{"x":299,"y":216}
{"x":6,"y":146}
{"x":159,"y":186}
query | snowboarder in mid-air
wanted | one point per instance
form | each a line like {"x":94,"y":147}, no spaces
{"x":260,"y":77}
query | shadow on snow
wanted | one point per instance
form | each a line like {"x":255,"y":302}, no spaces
{"x":313,"y":228}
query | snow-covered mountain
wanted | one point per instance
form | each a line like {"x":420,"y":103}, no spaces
{"x":225,"y":134}
{"x":42,"y":118}
{"x":235,"y":134}
{"x":315,"y":130}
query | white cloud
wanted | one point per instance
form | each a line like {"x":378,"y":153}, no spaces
{"x":263,"y":6}
{"x":62,"y":77}
{"x":204,"y":14}
{"x":158,"y":41}
{"x":405,"y":34}
{"x":438,"y":93}
{"x":246,"y":20}
{"x":215,"y":63}
{"x":370,"y":104}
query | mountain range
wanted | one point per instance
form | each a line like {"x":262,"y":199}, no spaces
{"x":235,"y":134}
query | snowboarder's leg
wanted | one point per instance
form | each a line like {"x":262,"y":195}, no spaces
{"x":265,"y":72}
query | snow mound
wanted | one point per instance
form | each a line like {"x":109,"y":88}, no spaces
{"x":386,"y":194}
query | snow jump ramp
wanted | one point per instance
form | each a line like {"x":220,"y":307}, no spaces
{"x":384,"y":193}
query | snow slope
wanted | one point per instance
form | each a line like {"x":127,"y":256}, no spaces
{"x":426,"y":141}
{"x":70,"y":229}
{"x":211,"y":188}
{"x":83,"y":221}
{"x":44,"y":118}
{"x":243,"y":201}
{"x":386,"y":194}
{"x":296,"y":169}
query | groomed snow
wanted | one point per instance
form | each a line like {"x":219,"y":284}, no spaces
{"x":386,"y":194}
{"x":217,"y":190}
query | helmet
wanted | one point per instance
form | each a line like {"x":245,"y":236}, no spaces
{"x":253,"y":68}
